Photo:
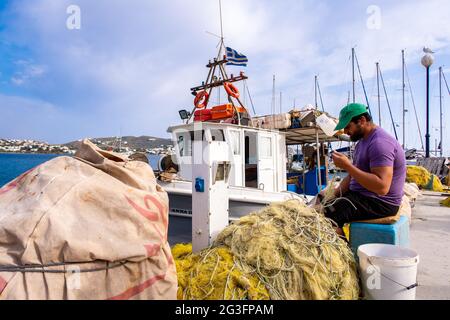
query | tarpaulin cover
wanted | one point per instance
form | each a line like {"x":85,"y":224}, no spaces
{"x":93,"y":226}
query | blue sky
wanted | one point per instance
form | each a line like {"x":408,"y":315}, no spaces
{"x":129,"y":68}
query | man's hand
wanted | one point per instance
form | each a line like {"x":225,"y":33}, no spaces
{"x":341,"y":161}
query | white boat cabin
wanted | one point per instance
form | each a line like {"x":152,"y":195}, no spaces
{"x":257,"y":156}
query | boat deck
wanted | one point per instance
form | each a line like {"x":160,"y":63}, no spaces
{"x":430,"y":237}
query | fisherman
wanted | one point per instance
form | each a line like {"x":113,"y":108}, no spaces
{"x":373,"y":188}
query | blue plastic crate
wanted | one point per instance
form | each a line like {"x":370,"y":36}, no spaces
{"x":395,"y":234}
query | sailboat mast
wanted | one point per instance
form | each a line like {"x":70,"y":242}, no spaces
{"x":403,"y":96}
{"x":272,"y":111}
{"x":388,"y":104}
{"x":440,"y":108}
{"x":353,"y":73}
{"x":315,"y":92}
{"x":379,"y":97}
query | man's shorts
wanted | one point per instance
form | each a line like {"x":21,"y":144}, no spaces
{"x":356,"y":207}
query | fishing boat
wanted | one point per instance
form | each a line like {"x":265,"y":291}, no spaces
{"x":258,"y":156}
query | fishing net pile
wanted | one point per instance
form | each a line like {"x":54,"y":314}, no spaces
{"x":212,"y":275}
{"x":287,"y":248}
{"x":423,"y":178}
{"x":446,"y":202}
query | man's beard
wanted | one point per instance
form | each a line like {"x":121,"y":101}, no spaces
{"x":358,"y":135}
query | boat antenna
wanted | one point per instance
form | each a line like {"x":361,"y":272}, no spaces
{"x":222,"y":44}
{"x":414,"y":105}
{"x":389,"y":106}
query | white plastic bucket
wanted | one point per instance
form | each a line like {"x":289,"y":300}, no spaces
{"x":388,"y":272}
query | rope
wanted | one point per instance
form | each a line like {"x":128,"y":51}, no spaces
{"x":40,"y":268}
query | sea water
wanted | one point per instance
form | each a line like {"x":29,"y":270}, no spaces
{"x":13,"y":165}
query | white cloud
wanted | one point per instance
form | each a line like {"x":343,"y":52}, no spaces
{"x":131,"y":65}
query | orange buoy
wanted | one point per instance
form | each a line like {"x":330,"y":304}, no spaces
{"x":201,"y":99}
{"x":231,"y":90}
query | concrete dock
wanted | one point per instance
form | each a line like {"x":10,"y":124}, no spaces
{"x":430,"y":237}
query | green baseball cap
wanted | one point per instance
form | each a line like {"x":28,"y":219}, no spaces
{"x":348,"y":113}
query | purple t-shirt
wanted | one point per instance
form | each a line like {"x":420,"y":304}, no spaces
{"x":380,"y":149}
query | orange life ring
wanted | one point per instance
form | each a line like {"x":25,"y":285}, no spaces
{"x":201,"y":99}
{"x":231,"y":90}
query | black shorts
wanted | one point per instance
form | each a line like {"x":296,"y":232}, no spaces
{"x":357,"y":207}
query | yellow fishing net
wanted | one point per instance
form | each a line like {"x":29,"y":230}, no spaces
{"x":295,"y":251}
{"x":446,"y":202}
{"x":212,"y":275}
{"x":423,"y":178}
{"x":285,"y":251}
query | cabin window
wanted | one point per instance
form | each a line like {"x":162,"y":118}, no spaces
{"x":236,"y":142}
{"x":195,"y":135}
{"x":181,"y":144}
{"x":266,"y":147}
{"x":217,"y":135}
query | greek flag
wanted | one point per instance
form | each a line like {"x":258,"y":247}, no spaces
{"x":235,"y":58}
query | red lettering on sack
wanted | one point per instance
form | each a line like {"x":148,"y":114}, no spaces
{"x":151,"y":215}
{"x":13,"y":184}
{"x":3,"y":284}
{"x":152,"y":249}
{"x":138,"y":289}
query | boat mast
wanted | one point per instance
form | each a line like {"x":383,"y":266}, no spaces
{"x":273,"y":108}
{"x":440,"y":107}
{"x":362,"y":83}
{"x":320,"y":96}
{"x":379,"y":97}
{"x":353,"y":73}
{"x":315,"y":92}
{"x":414,"y":106}
{"x":403,"y":96}
{"x":388,"y":104}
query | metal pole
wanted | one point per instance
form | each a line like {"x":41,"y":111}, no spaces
{"x":403,"y":96}
{"x":315,"y":92}
{"x":440,"y":108}
{"x":353,"y":73}
{"x":427,"y":135}
{"x":379,"y":98}
{"x":318,"y":159}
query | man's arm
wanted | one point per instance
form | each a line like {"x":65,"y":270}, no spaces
{"x":343,"y":186}
{"x":378,"y":180}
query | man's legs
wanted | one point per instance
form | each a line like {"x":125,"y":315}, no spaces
{"x":353,"y":206}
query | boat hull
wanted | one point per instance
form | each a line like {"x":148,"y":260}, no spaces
{"x":242,"y":201}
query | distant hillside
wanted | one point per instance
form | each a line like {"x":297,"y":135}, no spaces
{"x":138,"y":143}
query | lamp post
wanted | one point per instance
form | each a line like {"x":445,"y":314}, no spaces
{"x":427,"y":61}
